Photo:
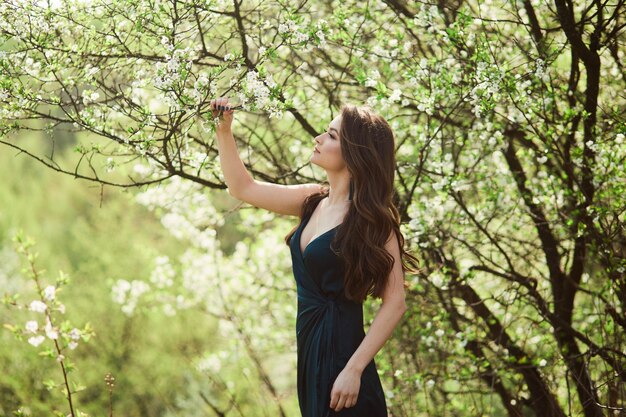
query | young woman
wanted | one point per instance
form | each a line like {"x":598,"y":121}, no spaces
{"x":348,"y":245}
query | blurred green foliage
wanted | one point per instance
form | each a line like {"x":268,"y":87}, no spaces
{"x":95,"y":241}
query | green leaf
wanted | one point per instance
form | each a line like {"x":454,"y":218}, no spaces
{"x":360,"y":76}
{"x":77,"y":387}
{"x":49,"y":384}
{"x":48,"y":352}
{"x":69,"y":366}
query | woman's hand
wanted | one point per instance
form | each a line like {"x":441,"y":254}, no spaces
{"x":221,"y":108}
{"x":345,"y":389}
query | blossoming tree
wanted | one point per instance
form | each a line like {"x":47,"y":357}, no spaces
{"x":509,"y":122}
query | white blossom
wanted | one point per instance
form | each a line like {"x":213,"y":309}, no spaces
{"x":396,"y":95}
{"x":37,"y":306}
{"x":163,"y":274}
{"x":269,"y":80}
{"x":90,"y":96}
{"x":212,"y":363}
{"x":301,"y":36}
{"x":74,"y":334}
{"x":51,"y":332}
{"x":36,"y":340}
{"x":31,"y":326}
{"x":128,"y":293}
{"x":539,"y":71}
{"x":49,"y":292}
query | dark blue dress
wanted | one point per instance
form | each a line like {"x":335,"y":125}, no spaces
{"x":329,"y":328}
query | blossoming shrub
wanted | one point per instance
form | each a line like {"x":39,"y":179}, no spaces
{"x":509,"y":127}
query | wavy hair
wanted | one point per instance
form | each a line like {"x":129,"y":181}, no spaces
{"x":368,"y":148}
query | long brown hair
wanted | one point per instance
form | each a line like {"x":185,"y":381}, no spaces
{"x":368,"y":148}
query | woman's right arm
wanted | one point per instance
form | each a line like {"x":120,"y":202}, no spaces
{"x":281,"y":199}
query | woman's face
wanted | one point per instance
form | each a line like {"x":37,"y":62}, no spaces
{"x":328,"y":144}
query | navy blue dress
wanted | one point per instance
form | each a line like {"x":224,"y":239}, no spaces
{"x":329,"y":328}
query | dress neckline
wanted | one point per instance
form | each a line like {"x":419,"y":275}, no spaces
{"x":302,"y":252}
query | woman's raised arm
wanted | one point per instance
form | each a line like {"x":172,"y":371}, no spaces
{"x":281,"y":199}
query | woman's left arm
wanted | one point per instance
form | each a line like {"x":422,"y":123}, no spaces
{"x":345,"y":390}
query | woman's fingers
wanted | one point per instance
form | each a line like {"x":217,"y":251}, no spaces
{"x":341,"y":403}
{"x":221,"y":103}
{"x":224,"y":104}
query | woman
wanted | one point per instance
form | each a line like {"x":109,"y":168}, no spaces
{"x":348,"y":245}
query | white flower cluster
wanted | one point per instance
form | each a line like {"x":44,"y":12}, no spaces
{"x":90,"y":97}
{"x":128,"y":293}
{"x":109,"y":165}
{"x":372,"y":80}
{"x":91,"y":71}
{"x":541,"y":72}
{"x":200,"y":278}
{"x":201,"y":88}
{"x":142,"y":170}
{"x":169,"y":72}
{"x":320,"y":33}
{"x":290,"y":29}
{"x":384,"y":52}
{"x":488,"y":79}
{"x":37,"y":306}
{"x":33,"y":327}
{"x":259,"y":91}
{"x":212,"y":363}
{"x":425,"y":15}
{"x":396,"y":95}
{"x":51,"y":332}
{"x":213,"y":281}
{"x":36,"y":340}
{"x":188,"y":210}
{"x":49,"y":293}
{"x":163,"y":274}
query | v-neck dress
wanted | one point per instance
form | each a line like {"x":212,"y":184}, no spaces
{"x":329,"y":329}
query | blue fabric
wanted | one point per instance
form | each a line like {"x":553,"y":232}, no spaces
{"x":329,"y":328}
